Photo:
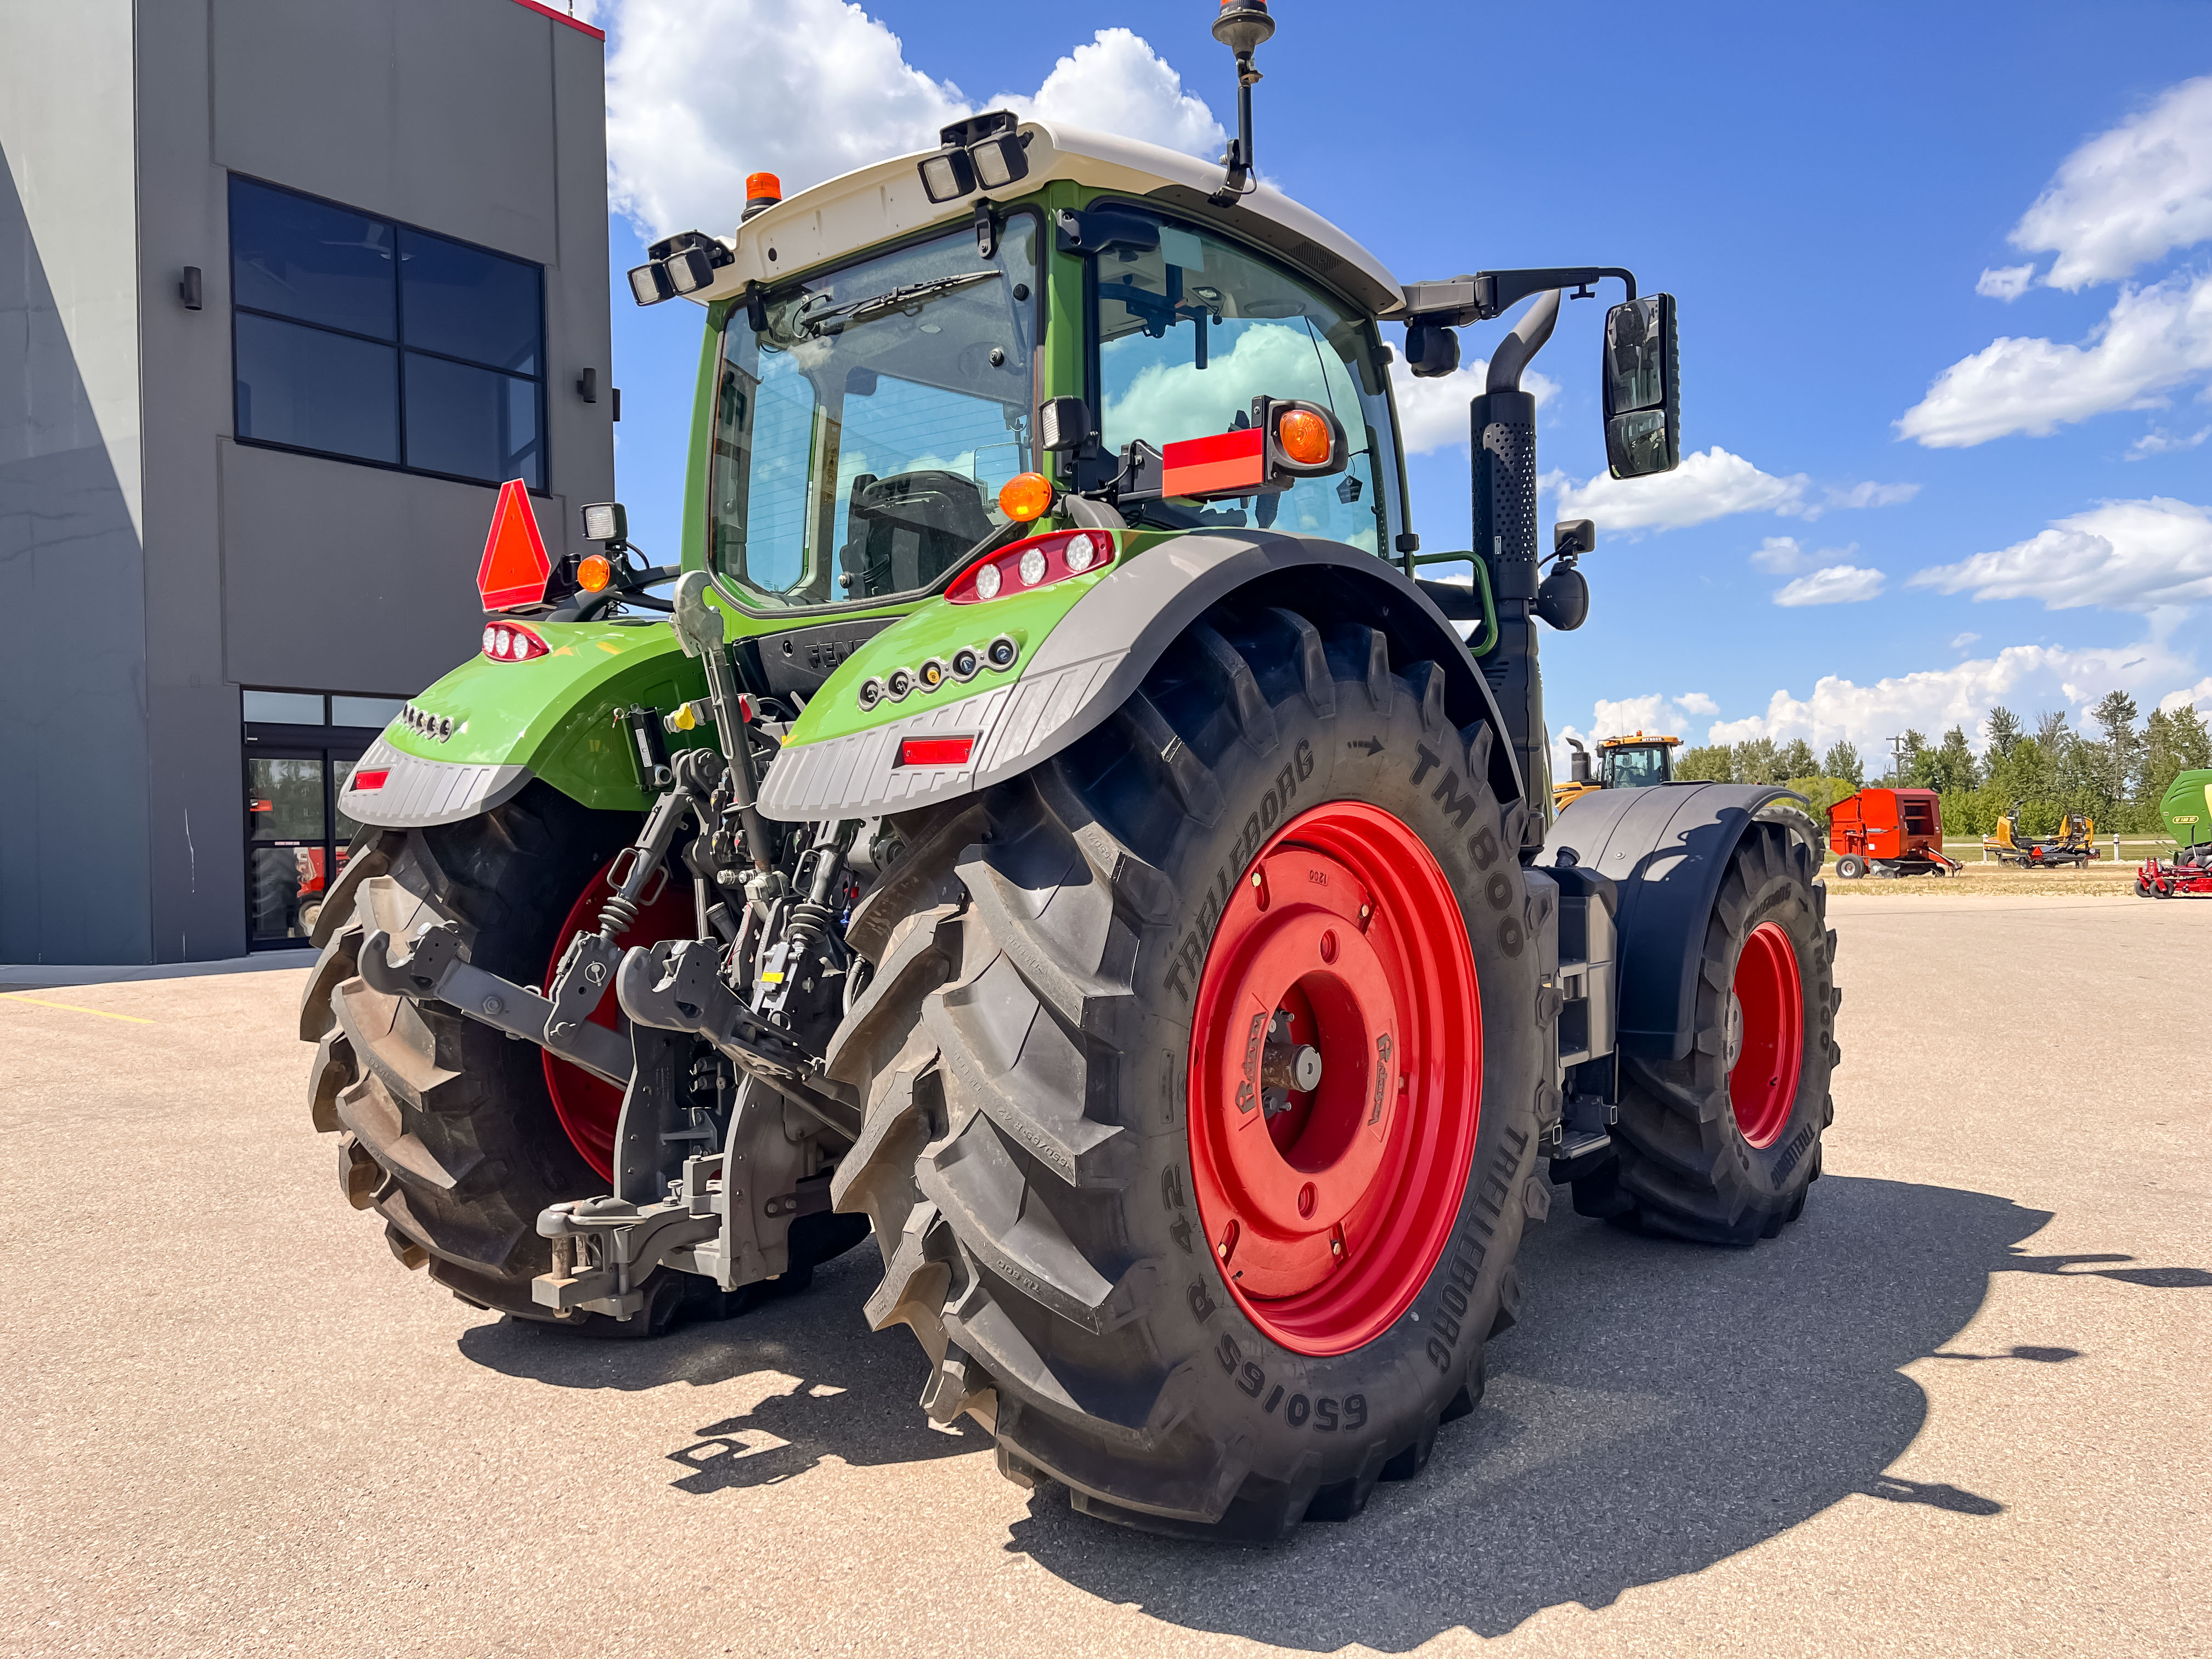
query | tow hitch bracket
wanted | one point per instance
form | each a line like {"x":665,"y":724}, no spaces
{"x":435,"y":967}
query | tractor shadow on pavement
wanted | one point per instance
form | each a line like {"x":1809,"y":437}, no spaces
{"x":1661,"y":1407}
{"x":854,"y":1399}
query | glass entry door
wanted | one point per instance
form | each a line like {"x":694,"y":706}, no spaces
{"x":297,"y":761}
{"x":295,"y":837}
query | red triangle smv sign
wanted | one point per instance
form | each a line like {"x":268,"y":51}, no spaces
{"x":515,"y":567}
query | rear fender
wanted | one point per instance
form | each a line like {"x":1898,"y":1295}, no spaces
{"x":1076,"y":671}
{"x":552,"y":717}
{"x":1667,"y":848}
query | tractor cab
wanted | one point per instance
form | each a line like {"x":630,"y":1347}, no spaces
{"x":1629,"y":762}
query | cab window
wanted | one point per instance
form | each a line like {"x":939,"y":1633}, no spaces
{"x":1190,"y":332}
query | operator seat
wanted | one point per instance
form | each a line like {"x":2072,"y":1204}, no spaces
{"x":906,"y":531}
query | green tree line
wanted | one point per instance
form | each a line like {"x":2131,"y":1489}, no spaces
{"x":2115,"y":776}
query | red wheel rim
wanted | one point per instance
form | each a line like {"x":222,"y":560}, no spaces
{"x":589,"y":1107}
{"x":1326,"y":1208}
{"x":1767,"y":1008}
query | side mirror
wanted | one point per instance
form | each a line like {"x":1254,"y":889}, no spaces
{"x":1564,"y":600}
{"x":1642,"y":400}
{"x":1432,"y":351}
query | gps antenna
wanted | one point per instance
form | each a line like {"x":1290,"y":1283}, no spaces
{"x":1242,"y":25}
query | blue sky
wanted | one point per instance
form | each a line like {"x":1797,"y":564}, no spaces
{"x":1824,"y":191}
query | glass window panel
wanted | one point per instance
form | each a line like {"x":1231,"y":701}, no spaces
{"x":313,"y":390}
{"x":468,"y":303}
{"x":284,"y":797}
{"x":340,"y":771}
{"x":279,"y":883}
{"x":471,"y":422}
{"x":858,"y":448}
{"x":309,"y":260}
{"x":285,"y":708}
{"x":1191,"y":332}
{"x":365,"y":711}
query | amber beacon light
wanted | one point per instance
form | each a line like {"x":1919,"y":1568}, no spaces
{"x":1026,"y":497}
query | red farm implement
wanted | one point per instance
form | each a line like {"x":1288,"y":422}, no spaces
{"x":2189,"y":870}
{"x":1889,"y":832}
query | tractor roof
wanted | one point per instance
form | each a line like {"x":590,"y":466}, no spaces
{"x":877,"y":203}
{"x":1639,"y":741}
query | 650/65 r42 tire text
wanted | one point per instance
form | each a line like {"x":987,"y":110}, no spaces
{"x":1202,"y":1066}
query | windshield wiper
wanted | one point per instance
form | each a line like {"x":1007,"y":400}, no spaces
{"x":833,"y":319}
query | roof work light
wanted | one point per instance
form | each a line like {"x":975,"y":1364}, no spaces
{"x":984,"y":151}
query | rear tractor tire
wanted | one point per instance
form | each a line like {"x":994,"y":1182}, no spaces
{"x":1208,"y":1293}
{"x":449,"y":1130}
{"x":1722,"y":1144}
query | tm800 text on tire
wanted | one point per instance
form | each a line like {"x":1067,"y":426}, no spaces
{"x":1115,"y":1201}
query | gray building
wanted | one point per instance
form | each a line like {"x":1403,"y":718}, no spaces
{"x":287,"y":289}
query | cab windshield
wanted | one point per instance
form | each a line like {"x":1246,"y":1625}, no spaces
{"x":861,"y":437}
{"x":1633,"y":768}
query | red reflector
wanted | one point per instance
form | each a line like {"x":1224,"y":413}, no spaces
{"x":515,"y":567}
{"x":365,"y":781}
{"x":1210,"y":465}
{"x":935,"y":752}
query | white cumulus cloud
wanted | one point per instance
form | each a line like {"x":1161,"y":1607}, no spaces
{"x":2024,"y":677}
{"x":1710,"y":484}
{"x":1432,"y":413}
{"x":1782,"y":555}
{"x":2159,"y":442}
{"x":2155,"y":338}
{"x":2199,"y":695}
{"x":1835,"y":584}
{"x":1118,"y":83}
{"x":700,"y":92}
{"x":2127,"y":196}
{"x":2121,"y":555}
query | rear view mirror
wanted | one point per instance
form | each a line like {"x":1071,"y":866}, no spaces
{"x":1642,"y":400}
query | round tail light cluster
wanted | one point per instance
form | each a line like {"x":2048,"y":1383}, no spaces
{"x":511,"y":642}
{"x":1037,"y":563}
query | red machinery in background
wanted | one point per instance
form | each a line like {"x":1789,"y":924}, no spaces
{"x":1890,"y":832}
{"x":2190,"y":871}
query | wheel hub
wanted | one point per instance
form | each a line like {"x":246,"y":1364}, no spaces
{"x":1334,"y":1068}
{"x":1765,"y":1034}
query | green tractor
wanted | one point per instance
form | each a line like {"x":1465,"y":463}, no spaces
{"x":1054,"y":828}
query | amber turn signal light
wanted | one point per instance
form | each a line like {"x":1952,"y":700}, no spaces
{"x":1303,"y":436}
{"x":1026,"y":496}
{"x":594,"y":573}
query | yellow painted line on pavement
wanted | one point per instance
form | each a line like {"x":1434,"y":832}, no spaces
{"x":18,"y":996}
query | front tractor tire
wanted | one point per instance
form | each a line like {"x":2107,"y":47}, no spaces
{"x":1203,"y":1290}
{"x":1721,"y":1145}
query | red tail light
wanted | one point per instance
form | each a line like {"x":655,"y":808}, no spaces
{"x":1036,"y":563}
{"x":366,"y":781}
{"x":511,"y":642}
{"x":936,"y":752}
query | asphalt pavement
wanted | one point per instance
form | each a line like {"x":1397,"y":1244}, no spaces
{"x":1959,"y":1409}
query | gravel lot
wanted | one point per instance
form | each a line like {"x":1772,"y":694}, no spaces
{"x":1960,"y":1409}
